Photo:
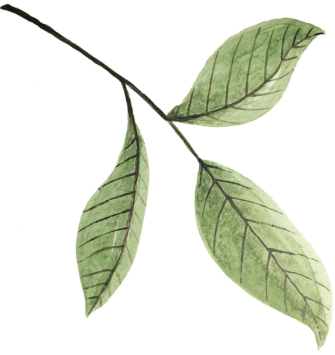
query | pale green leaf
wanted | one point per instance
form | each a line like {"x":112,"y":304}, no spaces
{"x":247,"y":75}
{"x":111,"y":223}
{"x":257,"y":246}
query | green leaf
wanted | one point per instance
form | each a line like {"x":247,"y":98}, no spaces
{"x":257,"y":246}
{"x":111,"y":223}
{"x":247,"y":75}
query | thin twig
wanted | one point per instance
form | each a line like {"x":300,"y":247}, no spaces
{"x":119,"y":77}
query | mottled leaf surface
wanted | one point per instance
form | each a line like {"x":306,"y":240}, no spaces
{"x":247,"y":75}
{"x":256,"y":245}
{"x":111,"y":223}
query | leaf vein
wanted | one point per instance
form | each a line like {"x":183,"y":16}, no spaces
{"x":101,"y":235}
{"x":255,"y":203}
{"x":270,"y":225}
{"x":249,"y":66}
{"x":210,"y":82}
{"x":231,"y":69}
{"x":110,"y":199}
{"x":217,"y":224}
{"x":97,"y":272}
{"x":100,"y":251}
{"x":234,"y":183}
{"x":120,"y":178}
{"x":103,"y":219}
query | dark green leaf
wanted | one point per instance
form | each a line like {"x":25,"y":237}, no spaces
{"x":247,"y":75}
{"x":111,"y":223}
{"x":257,"y":246}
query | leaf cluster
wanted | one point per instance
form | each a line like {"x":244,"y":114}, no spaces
{"x":246,"y":233}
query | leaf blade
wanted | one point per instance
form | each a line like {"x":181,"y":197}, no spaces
{"x":258,"y":247}
{"x":110,"y":226}
{"x":247,"y":75}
